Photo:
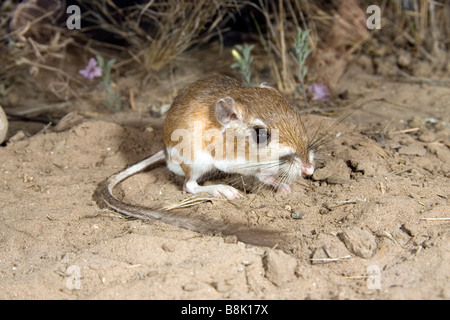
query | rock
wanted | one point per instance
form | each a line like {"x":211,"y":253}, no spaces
{"x":413,"y":150}
{"x":427,"y":136}
{"x":359,"y":242}
{"x":191,"y":286}
{"x":3,"y":125}
{"x":168,"y":247}
{"x":279,"y":267}
{"x":441,"y":151}
{"x":297,"y":214}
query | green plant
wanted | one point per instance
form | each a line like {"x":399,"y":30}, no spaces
{"x":300,"y":52}
{"x":243,"y":57}
{"x":112,"y":98}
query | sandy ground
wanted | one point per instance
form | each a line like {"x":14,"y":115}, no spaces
{"x":360,"y":228}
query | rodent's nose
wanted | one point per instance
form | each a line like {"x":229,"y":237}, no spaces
{"x":307,"y":169}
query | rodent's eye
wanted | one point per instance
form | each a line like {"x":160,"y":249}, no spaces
{"x":261,"y":135}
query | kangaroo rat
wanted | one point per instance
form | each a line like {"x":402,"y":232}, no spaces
{"x":219,"y":124}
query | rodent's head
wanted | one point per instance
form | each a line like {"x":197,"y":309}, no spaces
{"x":271,"y":129}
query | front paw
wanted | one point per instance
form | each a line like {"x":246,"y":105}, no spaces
{"x":284,"y":188}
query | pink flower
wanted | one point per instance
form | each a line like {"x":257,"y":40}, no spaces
{"x":92,"y":70}
{"x":319,"y":91}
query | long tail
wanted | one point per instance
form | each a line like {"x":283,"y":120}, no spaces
{"x":104,"y":196}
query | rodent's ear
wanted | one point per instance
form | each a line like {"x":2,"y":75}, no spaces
{"x":226,"y":111}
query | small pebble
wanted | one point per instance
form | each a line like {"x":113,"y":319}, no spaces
{"x":191,"y":286}
{"x":168,"y":247}
{"x":297,"y":214}
{"x":413,"y":150}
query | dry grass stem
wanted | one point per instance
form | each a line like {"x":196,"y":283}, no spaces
{"x":435,"y":219}
{"x":190,"y":202}
{"x":325,"y":260}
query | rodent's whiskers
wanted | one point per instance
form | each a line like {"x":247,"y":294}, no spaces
{"x":255,"y":165}
{"x":282,"y":175}
{"x":315,"y":143}
{"x":286,"y":172}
